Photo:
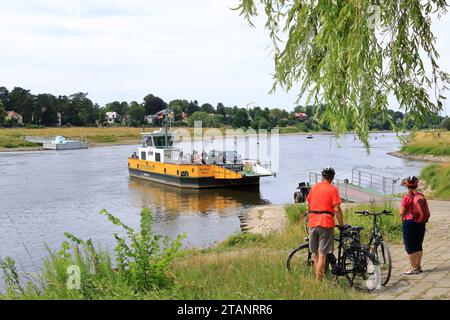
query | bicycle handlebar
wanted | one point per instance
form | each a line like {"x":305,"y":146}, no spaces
{"x":368,"y":213}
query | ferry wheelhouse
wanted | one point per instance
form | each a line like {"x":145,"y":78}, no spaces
{"x":159,"y":161}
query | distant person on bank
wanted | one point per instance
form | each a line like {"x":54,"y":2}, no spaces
{"x":324,"y":203}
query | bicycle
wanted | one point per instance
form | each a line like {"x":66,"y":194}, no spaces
{"x":354,"y":261}
{"x":378,"y":246}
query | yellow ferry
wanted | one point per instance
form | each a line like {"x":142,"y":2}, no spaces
{"x":159,"y":161}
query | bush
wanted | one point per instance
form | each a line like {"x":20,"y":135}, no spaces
{"x":282,"y":123}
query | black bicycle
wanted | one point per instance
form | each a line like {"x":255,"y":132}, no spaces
{"x":354,"y":261}
{"x":378,"y":246}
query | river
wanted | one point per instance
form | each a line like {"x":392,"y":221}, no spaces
{"x":46,"y":193}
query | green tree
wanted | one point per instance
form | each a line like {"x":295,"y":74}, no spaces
{"x":445,"y":124}
{"x":4,"y":96}
{"x":351,"y":55}
{"x":240,"y":119}
{"x":2,"y":113}
{"x":81,"y":111}
{"x":21,"y":101}
{"x":208,"y":108}
{"x":178,"y":106}
{"x":215,"y":121}
{"x":198,"y":116}
{"x":192,"y":107}
{"x":120,"y":107}
{"x":45,"y":109}
{"x":136,"y":112}
{"x":153,"y":104}
{"x":220,"y":109}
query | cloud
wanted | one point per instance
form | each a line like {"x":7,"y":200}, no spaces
{"x":123,"y":50}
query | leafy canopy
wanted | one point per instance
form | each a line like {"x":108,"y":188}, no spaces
{"x":351,"y":55}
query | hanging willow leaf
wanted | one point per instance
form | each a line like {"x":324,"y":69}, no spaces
{"x":351,"y":55}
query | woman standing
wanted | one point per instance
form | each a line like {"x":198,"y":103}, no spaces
{"x":413,"y":232}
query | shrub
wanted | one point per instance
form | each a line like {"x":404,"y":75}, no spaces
{"x":282,"y":123}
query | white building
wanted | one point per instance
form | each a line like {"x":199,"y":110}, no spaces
{"x":113,"y":117}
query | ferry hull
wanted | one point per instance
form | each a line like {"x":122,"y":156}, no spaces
{"x":193,"y":182}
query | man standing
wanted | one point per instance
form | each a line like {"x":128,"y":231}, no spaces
{"x":324,"y":203}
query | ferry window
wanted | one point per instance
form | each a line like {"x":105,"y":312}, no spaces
{"x":143,"y":157}
{"x":158,"y":156}
{"x":149,"y":142}
{"x":161,"y":141}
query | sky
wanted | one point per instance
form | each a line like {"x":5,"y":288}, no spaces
{"x":125,"y":49}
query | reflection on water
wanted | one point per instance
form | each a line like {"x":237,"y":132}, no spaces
{"x":175,"y":201}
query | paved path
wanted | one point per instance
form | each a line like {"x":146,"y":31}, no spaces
{"x":434,"y":282}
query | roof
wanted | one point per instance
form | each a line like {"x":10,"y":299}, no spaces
{"x":12,"y":114}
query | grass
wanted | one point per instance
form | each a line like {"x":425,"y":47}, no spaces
{"x":245,"y":266}
{"x":428,"y":143}
{"x":11,"y":138}
{"x":436,"y":177}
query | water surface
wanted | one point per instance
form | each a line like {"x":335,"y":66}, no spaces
{"x":43,"y":194}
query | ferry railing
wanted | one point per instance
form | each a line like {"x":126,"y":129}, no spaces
{"x":43,"y":139}
{"x":375,"y":182}
{"x":366,"y":180}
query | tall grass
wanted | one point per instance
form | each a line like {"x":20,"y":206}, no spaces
{"x":428,"y":143}
{"x":437,"y":177}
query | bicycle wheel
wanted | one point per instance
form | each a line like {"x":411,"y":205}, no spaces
{"x":383,"y":255}
{"x":361,"y":269}
{"x":300,"y":259}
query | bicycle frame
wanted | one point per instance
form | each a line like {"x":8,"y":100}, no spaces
{"x":375,"y":236}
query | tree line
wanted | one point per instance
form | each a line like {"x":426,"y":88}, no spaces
{"x":78,"y":110}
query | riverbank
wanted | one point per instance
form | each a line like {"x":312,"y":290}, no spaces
{"x":428,"y":143}
{"x":245,"y":266}
{"x":420,"y":157}
{"x":430,"y":146}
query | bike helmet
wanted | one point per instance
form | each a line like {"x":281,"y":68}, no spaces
{"x":328,"y":173}
{"x":412,"y":182}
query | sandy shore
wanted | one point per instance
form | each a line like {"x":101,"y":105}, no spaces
{"x":271,"y":218}
{"x":420,"y":157}
{"x":264,"y":219}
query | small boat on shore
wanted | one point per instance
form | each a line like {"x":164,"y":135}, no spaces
{"x":309,"y":136}
{"x":61,"y":143}
{"x":58,"y":142}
